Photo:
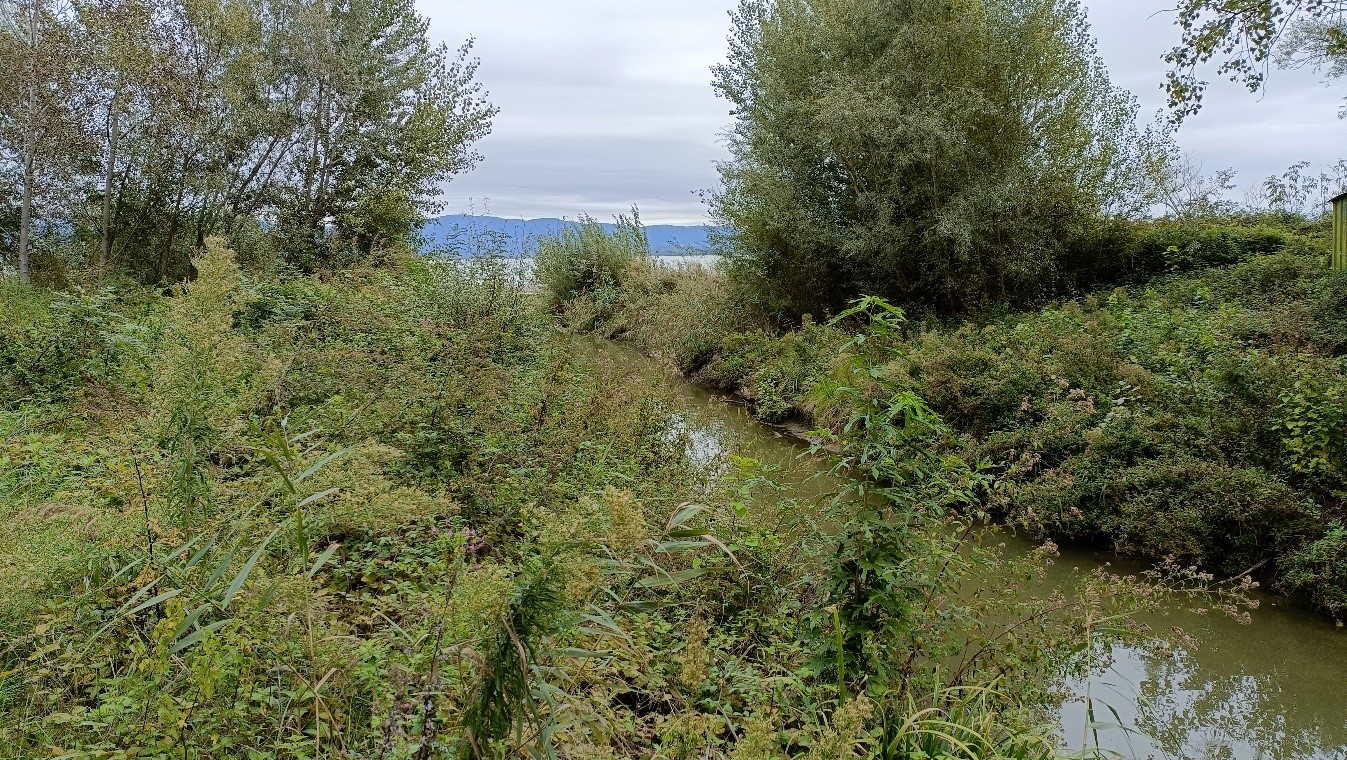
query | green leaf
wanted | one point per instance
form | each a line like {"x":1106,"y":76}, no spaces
{"x":148,"y":603}
{"x":190,"y":620}
{"x":197,"y":636}
{"x":199,"y":554}
{"x":582,"y":654}
{"x":323,"y":559}
{"x":321,"y":463}
{"x":683,"y":515}
{"x":669,"y":547}
{"x":280,"y":470}
{"x":268,"y":595}
{"x":671,"y":579}
{"x":311,"y":498}
{"x":183,"y":549}
{"x":247,"y":569}
{"x":219,"y":572}
{"x":605,"y":621}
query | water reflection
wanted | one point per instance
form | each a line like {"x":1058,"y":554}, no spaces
{"x":1273,"y":689}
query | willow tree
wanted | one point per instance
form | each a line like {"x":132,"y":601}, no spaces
{"x":943,"y":154}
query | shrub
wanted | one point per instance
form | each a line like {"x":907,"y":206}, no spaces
{"x":908,"y":151}
{"x":204,"y":377}
{"x":1319,"y":569}
{"x":53,"y":344}
{"x":586,"y":258}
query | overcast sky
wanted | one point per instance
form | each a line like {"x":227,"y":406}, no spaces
{"x":604,"y":103}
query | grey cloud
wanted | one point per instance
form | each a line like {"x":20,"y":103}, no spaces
{"x":604,"y":103}
{"x":569,"y":175}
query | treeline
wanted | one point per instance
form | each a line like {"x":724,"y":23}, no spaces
{"x":304,"y":131}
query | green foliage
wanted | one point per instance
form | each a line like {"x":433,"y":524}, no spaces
{"x":204,"y":378}
{"x":910,"y":150}
{"x":963,"y":724}
{"x":1314,"y":414}
{"x":1198,"y":417}
{"x":423,"y":525}
{"x":336,"y":123}
{"x":351,"y":550}
{"x":1244,"y":37}
{"x":587,"y":260}
{"x":1317,"y":569}
{"x":52,"y":346}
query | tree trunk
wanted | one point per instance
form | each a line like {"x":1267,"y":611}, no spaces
{"x":29,"y":151}
{"x":25,"y":219}
{"x":105,"y":253}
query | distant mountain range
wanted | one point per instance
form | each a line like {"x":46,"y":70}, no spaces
{"x":476,"y":235}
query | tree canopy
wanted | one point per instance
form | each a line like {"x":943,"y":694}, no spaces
{"x":943,"y":154}
{"x":300,"y":129}
{"x":1245,"y":37}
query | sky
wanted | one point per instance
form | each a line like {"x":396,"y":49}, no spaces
{"x":606,"y":104}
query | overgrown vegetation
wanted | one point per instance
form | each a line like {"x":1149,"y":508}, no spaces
{"x":313,"y":496}
{"x":1197,"y":416}
{"x":390,"y":512}
{"x":588,"y":261}
{"x":306,"y":133}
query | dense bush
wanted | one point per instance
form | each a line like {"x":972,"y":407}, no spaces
{"x":1126,"y":252}
{"x":1197,"y":418}
{"x":52,"y":345}
{"x":942,"y":156}
{"x":586,"y":259}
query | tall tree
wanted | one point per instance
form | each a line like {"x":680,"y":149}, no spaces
{"x":41,"y":125}
{"x":304,"y":129}
{"x":943,"y":154}
{"x":381,"y":116}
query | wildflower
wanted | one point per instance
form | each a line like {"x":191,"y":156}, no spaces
{"x":694,"y":671}
{"x":467,"y":539}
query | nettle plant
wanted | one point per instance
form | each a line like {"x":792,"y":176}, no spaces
{"x":1313,"y":418}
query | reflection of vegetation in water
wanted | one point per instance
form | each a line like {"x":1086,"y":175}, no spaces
{"x":1206,"y":702}
{"x":1225,"y":697}
{"x":1272,"y":688}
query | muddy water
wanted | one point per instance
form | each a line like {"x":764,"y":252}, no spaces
{"x":1274,"y":689}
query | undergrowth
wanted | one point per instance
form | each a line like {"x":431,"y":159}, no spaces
{"x":1198,"y":416}
{"x":391,"y":512}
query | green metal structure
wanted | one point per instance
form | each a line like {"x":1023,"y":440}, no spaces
{"x":1339,"y":260}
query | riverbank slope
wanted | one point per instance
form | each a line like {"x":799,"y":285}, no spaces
{"x":1200,"y":415}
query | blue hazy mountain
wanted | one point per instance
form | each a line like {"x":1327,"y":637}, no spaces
{"x":471,"y":235}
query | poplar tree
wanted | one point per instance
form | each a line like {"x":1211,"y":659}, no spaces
{"x":41,"y":129}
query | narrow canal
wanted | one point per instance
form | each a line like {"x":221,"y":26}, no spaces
{"x":1273,"y":689}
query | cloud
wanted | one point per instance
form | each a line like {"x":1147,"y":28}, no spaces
{"x":1257,"y":134}
{"x":605,"y":104}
